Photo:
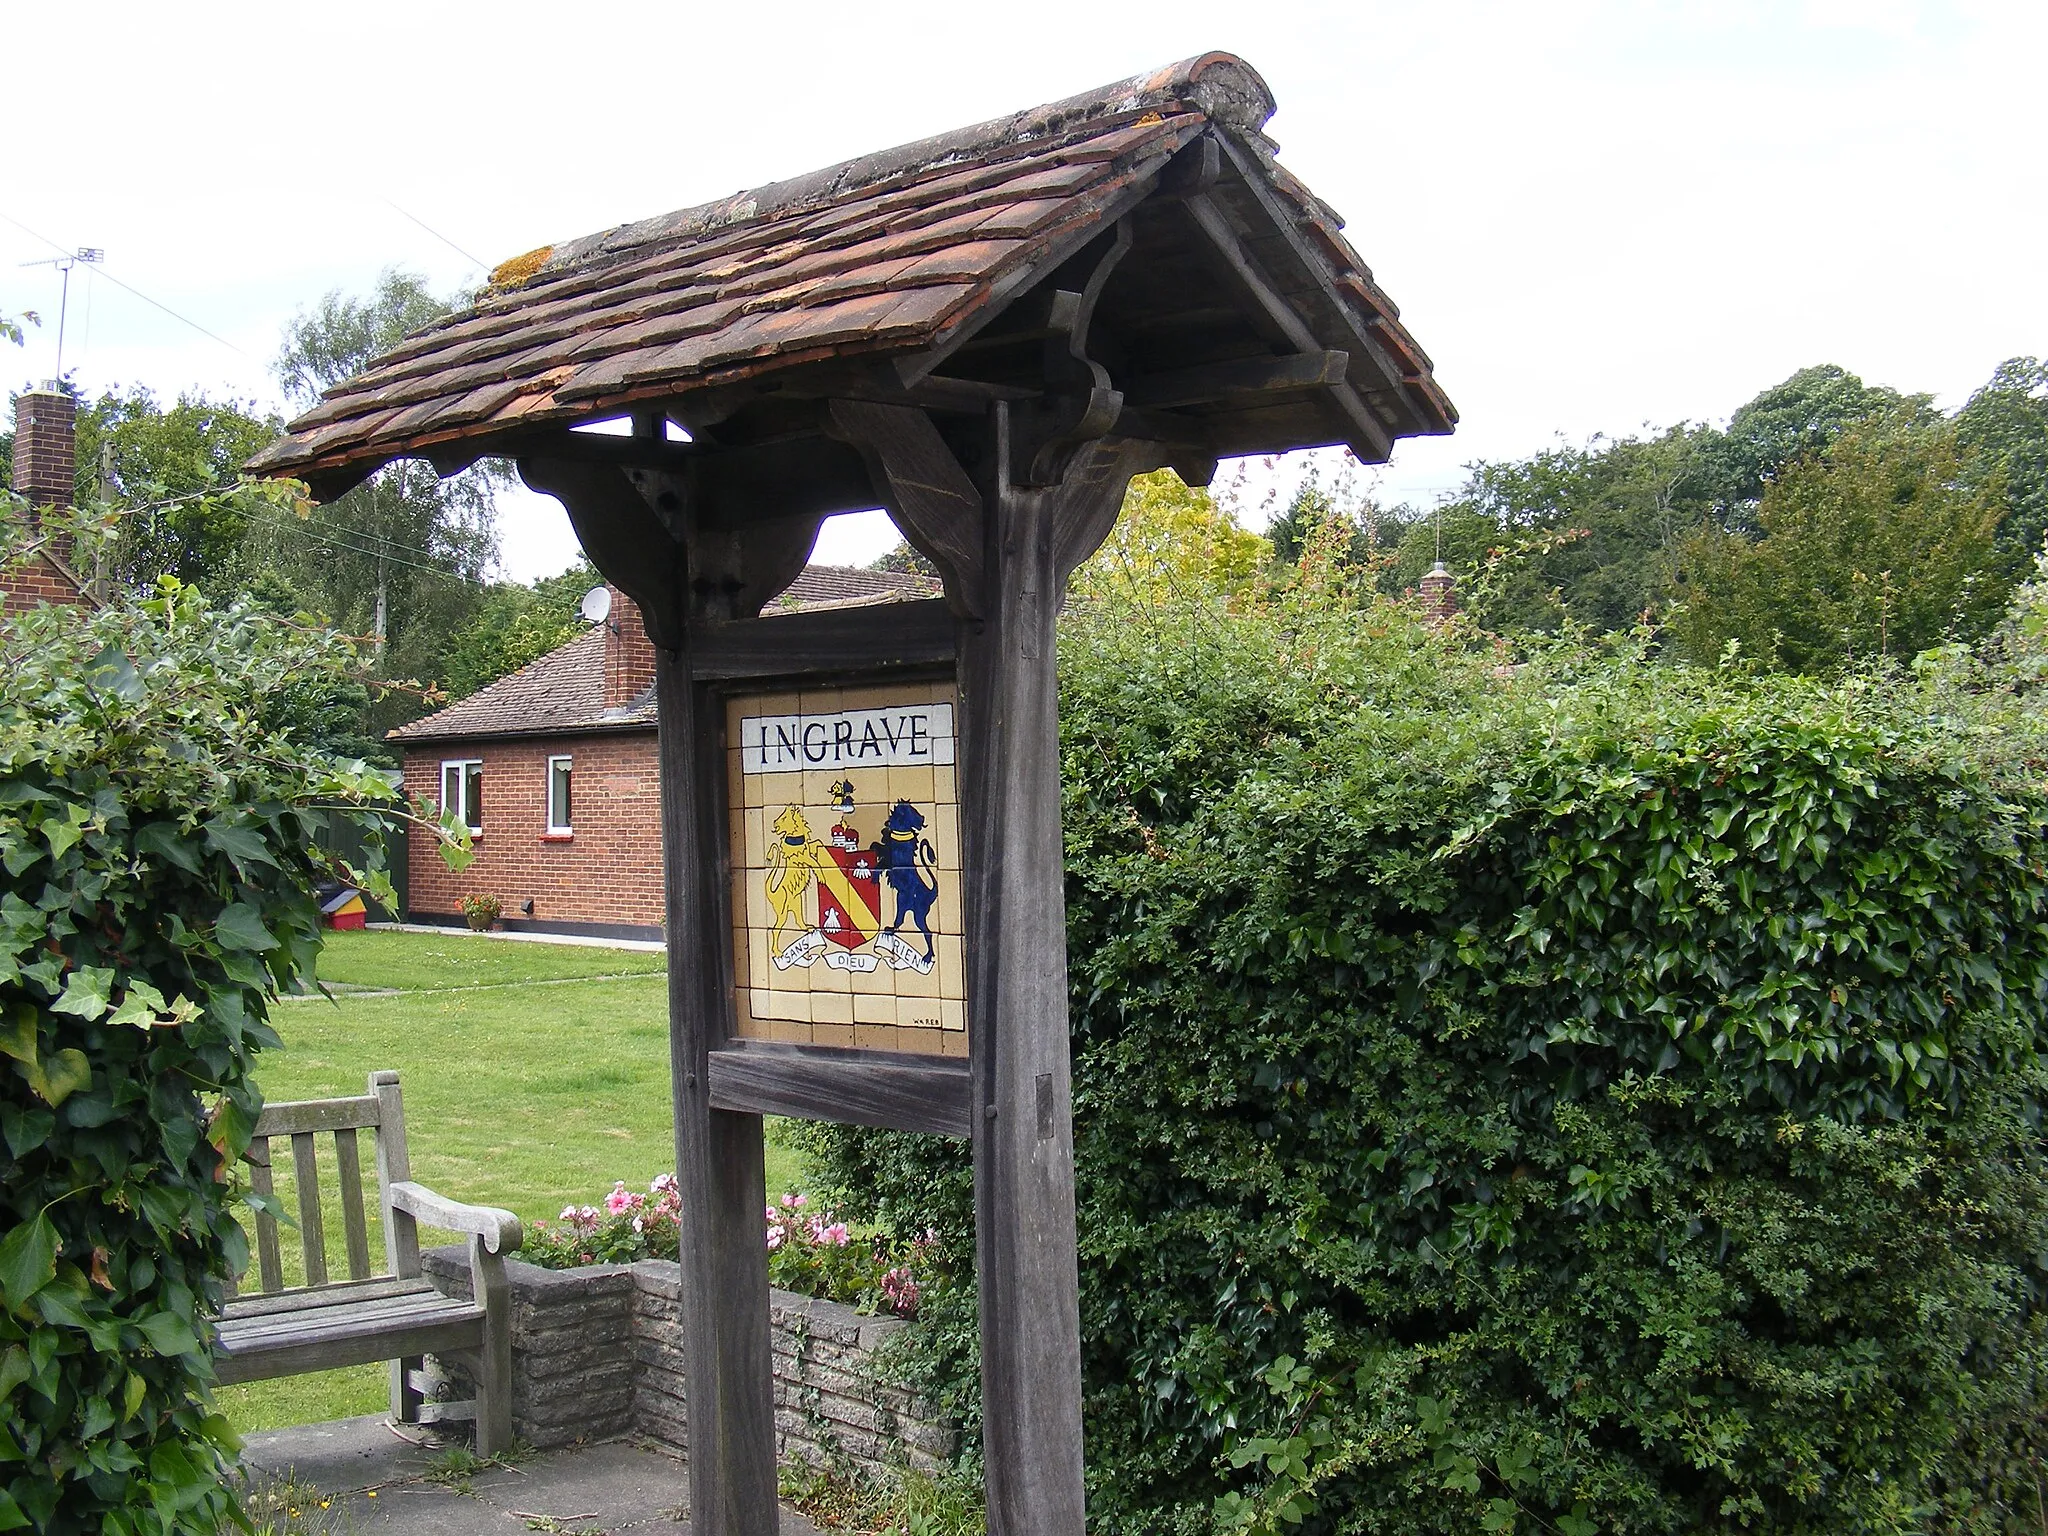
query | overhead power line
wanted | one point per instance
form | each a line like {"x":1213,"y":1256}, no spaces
{"x":423,"y":224}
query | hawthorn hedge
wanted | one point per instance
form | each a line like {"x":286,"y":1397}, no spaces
{"x":157,"y":866}
{"x":1590,"y":1096}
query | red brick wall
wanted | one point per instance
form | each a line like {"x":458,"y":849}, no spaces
{"x":609,"y":871}
{"x":628,"y":653}
{"x":45,"y":434}
{"x":33,"y":582}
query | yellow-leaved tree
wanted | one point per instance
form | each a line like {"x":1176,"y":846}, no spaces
{"x":1173,"y":542}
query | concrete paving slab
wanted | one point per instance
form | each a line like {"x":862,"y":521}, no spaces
{"x":374,"y":1481}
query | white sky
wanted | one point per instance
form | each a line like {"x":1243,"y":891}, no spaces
{"x":1594,"y":215}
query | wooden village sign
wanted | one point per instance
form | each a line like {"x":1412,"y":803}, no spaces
{"x":987,"y":333}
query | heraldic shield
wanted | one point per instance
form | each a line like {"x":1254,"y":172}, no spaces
{"x":846,"y":869}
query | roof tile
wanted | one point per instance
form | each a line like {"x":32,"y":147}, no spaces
{"x":884,"y":251}
{"x":562,"y":693}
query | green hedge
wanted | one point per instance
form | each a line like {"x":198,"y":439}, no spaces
{"x":156,"y":865}
{"x":1583,"y":1097}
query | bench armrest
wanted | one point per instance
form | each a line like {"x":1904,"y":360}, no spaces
{"x":499,"y":1230}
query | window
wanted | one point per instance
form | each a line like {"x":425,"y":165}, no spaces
{"x":462,"y":790}
{"x":558,"y":796}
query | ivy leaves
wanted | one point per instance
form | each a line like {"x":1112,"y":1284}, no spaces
{"x":157,"y":836}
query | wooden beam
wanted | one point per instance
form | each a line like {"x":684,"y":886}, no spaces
{"x":622,"y":535}
{"x":1367,"y":350}
{"x":913,"y":367}
{"x":1372,"y":440}
{"x":1215,"y":382}
{"x":826,"y":1083}
{"x":870,"y":637}
{"x":935,"y":505}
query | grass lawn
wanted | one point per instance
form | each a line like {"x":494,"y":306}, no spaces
{"x":534,"y":1075}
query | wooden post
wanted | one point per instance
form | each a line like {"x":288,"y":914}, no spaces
{"x":720,"y":1173}
{"x":1016,"y":919}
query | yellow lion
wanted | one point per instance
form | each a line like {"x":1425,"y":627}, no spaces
{"x":793,"y":860}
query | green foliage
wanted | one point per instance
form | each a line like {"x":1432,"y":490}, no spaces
{"x":513,"y":626}
{"x":156,"y":834}
{"x":402,"y":558}
{"x":1172,"y":543}
{"x":1597,"y":1098}
{"x":1630,"y":500}
{"x":1877,"y":546}
{"x":1602,"y":536}
{"x":1786,"y":423}
{"x":844,"y":1496}
{"x":2004,"y":432}
{"x":134,"y":453}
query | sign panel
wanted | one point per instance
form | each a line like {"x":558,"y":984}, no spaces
{"x":846,"y":868}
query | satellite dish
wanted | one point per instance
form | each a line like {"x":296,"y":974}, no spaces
{"x":596,"y":606}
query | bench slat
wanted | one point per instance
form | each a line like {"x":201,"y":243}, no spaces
{"x":291,"y":1356}
{"x":268,"y":1265}
{"x":357,"y":1320}
{"x":303,"y":1298}
{"x":311,"y":1233}
{"x":348,"y":1172}
{"x":305,"y":1116}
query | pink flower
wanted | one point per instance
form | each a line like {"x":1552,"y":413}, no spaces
{"x":568,"y":1213}
{"x":775,"y":1238}
{"x":664,"y":1184}
{"x":835,"y":1234}
{"x":793,"y":1202}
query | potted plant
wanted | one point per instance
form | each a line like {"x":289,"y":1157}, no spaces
{"x":481,"y":910}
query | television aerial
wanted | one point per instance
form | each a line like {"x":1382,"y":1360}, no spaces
{"x":92,"y":255}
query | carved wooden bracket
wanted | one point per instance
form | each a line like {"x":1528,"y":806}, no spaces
{"x":935,"y":505}
{"x":624,"y":538}
{"x":1081,"y":405}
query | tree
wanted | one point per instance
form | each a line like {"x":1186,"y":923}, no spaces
{"x":402,"y":558}
{"x":1784,"y":424}
{"x":1172,"y":541}
{"x":136,"y":454}
{"x":2004,"y":430}
{"x":515,"y":625}
{"x":1599,"y":524}
{"x":1877,"y":545}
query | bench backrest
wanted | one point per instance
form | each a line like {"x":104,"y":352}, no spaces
{"x":382,"y":1112}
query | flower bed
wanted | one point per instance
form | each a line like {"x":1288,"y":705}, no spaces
{"x":810,"y":1252}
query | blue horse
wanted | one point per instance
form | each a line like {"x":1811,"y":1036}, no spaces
{"x":908,"y":863}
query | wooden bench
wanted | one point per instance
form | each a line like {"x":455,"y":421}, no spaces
{"x":398,"y":1316}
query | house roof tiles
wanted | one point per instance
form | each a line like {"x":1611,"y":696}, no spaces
{"x":562,"y":693}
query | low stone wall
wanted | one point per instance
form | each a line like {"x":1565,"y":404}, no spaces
{"x":597,"y":1353}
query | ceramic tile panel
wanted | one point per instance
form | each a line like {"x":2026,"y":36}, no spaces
{"x":846,"y":867}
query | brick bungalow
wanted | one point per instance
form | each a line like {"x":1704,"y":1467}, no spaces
{"x":45,"y":467}
{"x":555,"y":770}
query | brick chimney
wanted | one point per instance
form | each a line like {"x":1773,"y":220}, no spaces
{"x":1439,"y":594}
{"x":45,"y":455}
{"x":628,"y":653}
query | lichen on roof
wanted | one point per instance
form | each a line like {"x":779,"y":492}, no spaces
{"x":520,"y":270}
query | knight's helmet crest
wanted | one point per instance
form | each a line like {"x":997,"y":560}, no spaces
{"x":842,"y":796}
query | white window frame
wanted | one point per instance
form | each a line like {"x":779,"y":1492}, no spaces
{"x":471,"y":813}
{"x":567,"y":826}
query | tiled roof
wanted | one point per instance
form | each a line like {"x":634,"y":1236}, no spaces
{"x":884,"y":254}
{"x":563,"y":691}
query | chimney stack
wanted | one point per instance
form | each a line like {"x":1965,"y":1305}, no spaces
{"x":1439,"y":594}
{"x":628,"y":653}
{"x":45,"y":456}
